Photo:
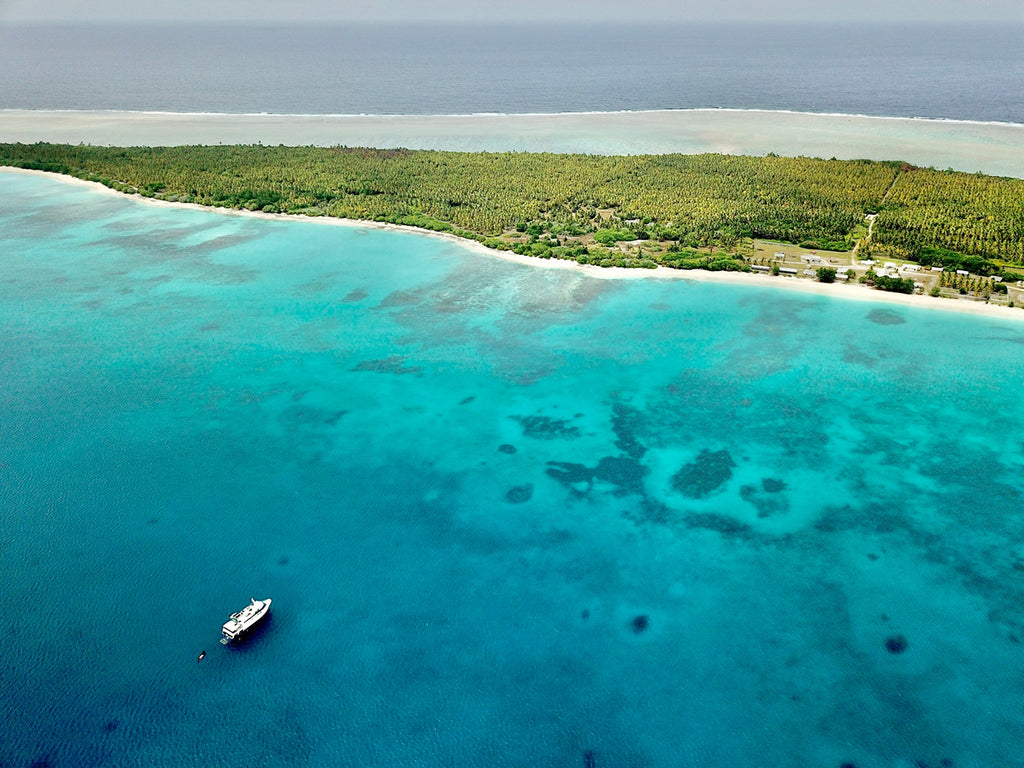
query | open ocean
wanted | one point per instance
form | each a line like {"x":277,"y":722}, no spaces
{"x":508,"y":515}
{"x":965,"y":72}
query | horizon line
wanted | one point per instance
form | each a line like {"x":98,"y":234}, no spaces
{"x":510,"y":22}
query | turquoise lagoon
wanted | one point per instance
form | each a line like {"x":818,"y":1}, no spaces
{"x":508,"y":515}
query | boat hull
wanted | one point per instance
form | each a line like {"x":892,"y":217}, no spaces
{"x":241,"y":624}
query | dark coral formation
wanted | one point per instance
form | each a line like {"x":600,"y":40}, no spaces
{"x":506,"y":448}
{"x":393,"y":364}
{"x":625,"y":423}
{"x":709,"y":472}
{"x":654,"y":510}
{"x":640,"y":624}
{"x":726,"y":526}
{"x":401,"y":299}
{"x":767,"y":502}
{"x":546,"y":428}
{"x":299,"y":415}
{"x":520,"y":494}
{"x":886,"y":317}
{"x":896,"y":644}
{"x":625,"y":473}
{"x":334,"y":417}
{"x":570,"y":474}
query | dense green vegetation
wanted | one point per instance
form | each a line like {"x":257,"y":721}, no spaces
{"x":826,"y":275}
{"x":677,"y":210}
{"x":893,"y":284}
{"x":945,"y":218}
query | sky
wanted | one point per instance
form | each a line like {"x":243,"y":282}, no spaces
{"x":508,"y":10}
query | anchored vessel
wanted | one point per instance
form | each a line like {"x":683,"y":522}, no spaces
{"x":245,"y":620}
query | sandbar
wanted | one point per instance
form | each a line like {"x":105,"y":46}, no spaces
{"x":992,"y":148}
{"x":853,"y":291}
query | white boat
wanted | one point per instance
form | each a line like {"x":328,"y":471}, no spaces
{"x":245,"y":620}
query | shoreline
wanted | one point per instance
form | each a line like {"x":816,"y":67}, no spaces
{"x":990,"y":147}
{"x":843,"y":291}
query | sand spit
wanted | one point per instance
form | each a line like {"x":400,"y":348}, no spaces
{"x":853,"y":291}
{"x":993,"y":148}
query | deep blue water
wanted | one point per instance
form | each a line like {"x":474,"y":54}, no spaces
{"x":508,"y":515}
{"x":971,"y":72}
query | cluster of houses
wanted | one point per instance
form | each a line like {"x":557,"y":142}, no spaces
{"x":811,"y":263}
{"x":893,"y":270}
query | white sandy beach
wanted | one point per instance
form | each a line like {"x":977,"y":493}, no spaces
{"x":993,"y":148}
{"x":852,"y":291}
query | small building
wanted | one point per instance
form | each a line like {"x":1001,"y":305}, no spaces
{"x":780,"y":256}
{"x":787,"y":271}
{"x":890,"y":265}
{"x":997,"y":278}
{"x":868,"y":262}
{"x":963,"y":272}
{"x":842,"y":275}
{"x":911,"y":267}
{"x":936,"y":269}
{"x":760,"y":268}
{"x":810,"y":272}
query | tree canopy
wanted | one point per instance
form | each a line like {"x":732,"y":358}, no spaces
{"x":576,"y":206}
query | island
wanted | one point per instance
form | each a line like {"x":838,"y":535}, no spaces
{"x":890,"y":225}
